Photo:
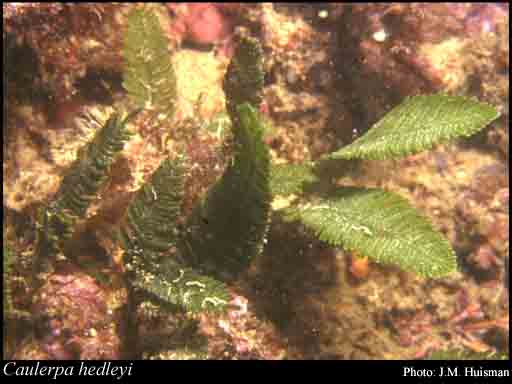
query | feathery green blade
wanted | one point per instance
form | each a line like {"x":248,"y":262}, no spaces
{"x":152,"y":216}
{"x":9,"y":309}
{"x":227,"y":229}
{"x":151,"y":225}
{"x":380,"y":225}
{"x":152,"y":228}
{"x":148,"y":74}
{"x":243,"y":82}
{"x":417,"y":124}
{"x":90,"y":170}
{"x":286,"y":179}
{"x":177,"y":285}
{"x":81,"y":184}
{"x":7,"y":268}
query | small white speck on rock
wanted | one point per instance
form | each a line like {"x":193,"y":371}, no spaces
{"x":380,"y":36}
{"x":323,"y":14}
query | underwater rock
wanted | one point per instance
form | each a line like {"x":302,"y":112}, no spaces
{"x":483,"y":214}
{"x":77,"y":318}
{"x":238,"y":334}
{"x":70,"y":41}
{"x":485,"y":260}
{"x":298,"y":82}
{"x":387,"y":52}
{"x":241,"y":335}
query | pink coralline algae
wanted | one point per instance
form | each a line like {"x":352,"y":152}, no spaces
{"x":202,"y":23}
{"x":78,"y":319}
{"x":240,"y":335}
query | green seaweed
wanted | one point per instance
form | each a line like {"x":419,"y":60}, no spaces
{"x":227,"y":229}
{"x":380,"y":224}
{"x":187,"y":265}
{"x":151,"y":229}
{"x":80,"y":186}
{"x":243,"y":82}
{"x":148,"y":74}
{"x":377,"y":223}
{"x":417,"y":124}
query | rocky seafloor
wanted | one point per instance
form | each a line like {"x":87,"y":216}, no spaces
{"x":331,"y":70}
